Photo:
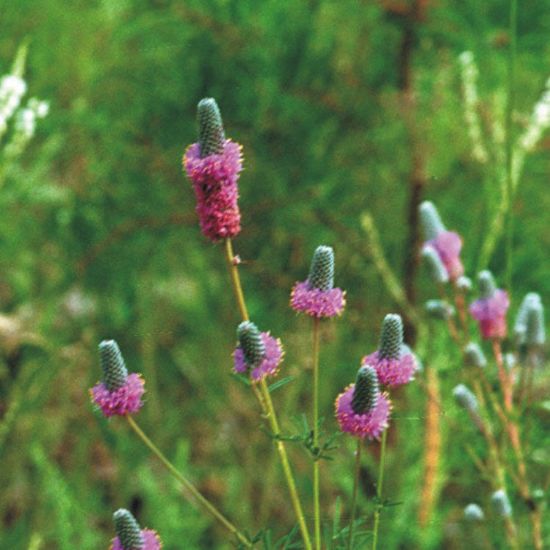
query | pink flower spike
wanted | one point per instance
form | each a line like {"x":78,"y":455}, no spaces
{"x":269,"y":365}
{"x":214,"y":180}
{"x":150,"y":538}
{"x":122,"y":401}
{"x":316,"y":302}
{"x":369,"y":425}
{"x":448,"y":244}
{"x":491,"y":314}
{"x":392,"y":372}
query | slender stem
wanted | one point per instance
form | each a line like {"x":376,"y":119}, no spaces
{"x":379,"y":490}
{"x":264,"y":398}
{"x":188,"y":485}
{"x":274,"y":424}
{"x":315,"y":428}
{"x":354,"y":496}
{"x":232,"y":264}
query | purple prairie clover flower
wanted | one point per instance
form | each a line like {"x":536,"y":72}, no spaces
{"x":213,"y":165}
{"x":361,"y":410}
{"x":446,"y":244}
{"x":317,"y":296}
{"x":394,"y":363}
{"x":490,"y":309}
{"x":130,"y":536}
{"x":257,"y":353}
{"x":119,"y":393}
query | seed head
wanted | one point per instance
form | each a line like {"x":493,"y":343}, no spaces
{"x":321,"y":272}
{"x":250,"y":341}
{"x":391,"y":337}
{"x":128,"y":530}
{"x":211,"y":133}
{"x":366,"y":391}
{"x":115,"y":373}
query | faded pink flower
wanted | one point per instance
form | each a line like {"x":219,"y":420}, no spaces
{"x":448,"y":244}
{"x":491,"y":314}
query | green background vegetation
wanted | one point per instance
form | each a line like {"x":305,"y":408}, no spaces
{"x":343,"y":108}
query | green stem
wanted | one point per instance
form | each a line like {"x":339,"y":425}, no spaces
{"x":509,"y":141}
{"x":354,"y":496}
{"x":379,"y":490}
{"x":264,"y":398}
{"x":188,"y":485}
{"x":316,"y":491}
{"x":232,"y":264}
{"x":274,"y":424}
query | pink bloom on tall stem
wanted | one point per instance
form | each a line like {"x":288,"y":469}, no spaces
{"x":394,"y":363}
{"x":214,"y":180}
{"x":490,"y":309}
{"x":119,"y":393}
{"x":370,"y":424}
{"x":317,"y":296}
{"x":257,"y":353}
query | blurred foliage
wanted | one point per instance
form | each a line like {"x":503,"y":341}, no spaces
{"x":334,"y":103}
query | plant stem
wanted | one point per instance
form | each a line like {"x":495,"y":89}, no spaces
{"x":379,"y":490}
{"x":316,"y":499}
{"x":274,"y":424}
{"x":232,"y":264}
{"x":264,"y":398}
{"x":355,"y":489}
{"x":188,"y":485}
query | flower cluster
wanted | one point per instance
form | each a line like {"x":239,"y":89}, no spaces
{"x":119,"y":393}
{"x":317,"y":296}
{"x":257,"y":353}
{"x":361,"y":409}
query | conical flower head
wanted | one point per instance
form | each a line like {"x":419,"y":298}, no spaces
{"x":128,"y":530}
{"x":251,"y":343}
{"x":112,"y":363}
{"x":486,"y":283}
{"x":465,"y":398}
{"x":321,"y":272}
{"x":535,"y":331}
{"x":211,"y":133}
{"x":366,"y":391}
{"x":474,"y":356}
{"x":501,"y":503}
{"x":473,"y":512}
{"x":391,"y":337}
{"x":520,"y":325}
{"x":437,"y":270}
{"x":430,"y":220}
